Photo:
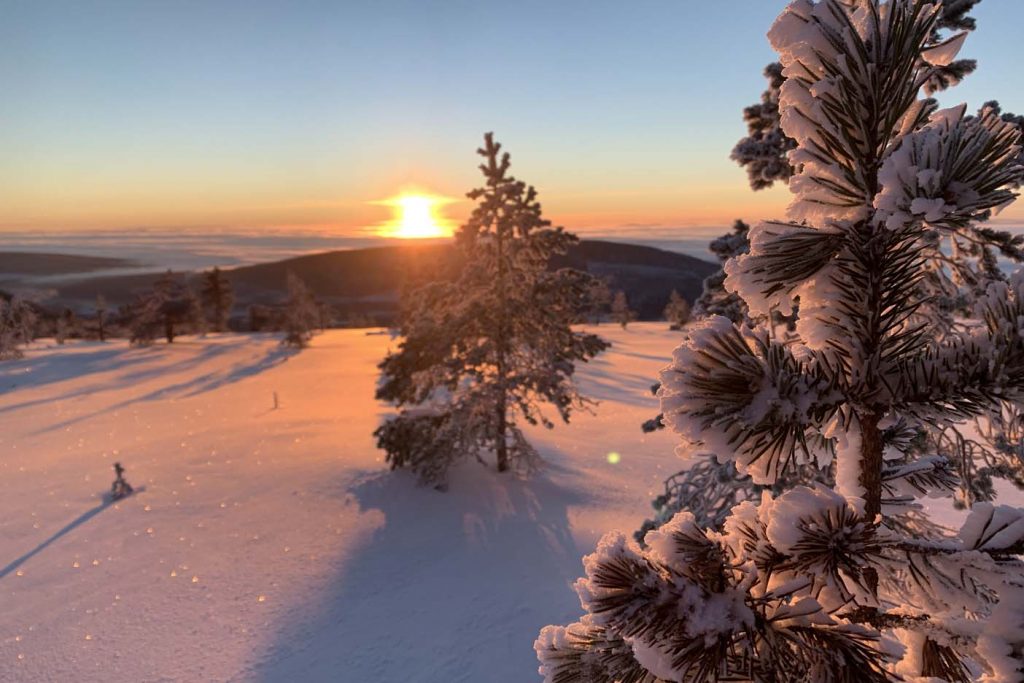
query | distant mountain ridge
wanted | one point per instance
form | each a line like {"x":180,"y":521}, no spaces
{"x":366,"y":282}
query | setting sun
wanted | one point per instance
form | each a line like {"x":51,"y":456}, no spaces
{"x":416,"y":217}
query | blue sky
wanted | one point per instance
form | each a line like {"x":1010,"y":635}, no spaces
{"x":121,"y":114}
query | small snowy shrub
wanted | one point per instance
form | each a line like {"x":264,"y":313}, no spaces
{"x":488,"y":350}
{"x":120,"y":488}
{"x":818,"y":584}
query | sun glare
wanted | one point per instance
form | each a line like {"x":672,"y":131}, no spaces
{"x":416,"y":217}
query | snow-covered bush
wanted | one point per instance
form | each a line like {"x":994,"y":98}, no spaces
{"x":120,"y":488}
{"x":850,"y":584}
{"x":488,"y":350}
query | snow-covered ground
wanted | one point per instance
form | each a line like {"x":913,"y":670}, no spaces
{"x":273,"y":545}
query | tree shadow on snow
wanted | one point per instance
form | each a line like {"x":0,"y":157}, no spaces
{"x":606,"y":381}
{"x":195,"y":385}
{"x":450,"y":587}
{"x":40,"y":370}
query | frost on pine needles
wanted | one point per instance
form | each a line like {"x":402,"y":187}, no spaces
{"x":850,"y":584}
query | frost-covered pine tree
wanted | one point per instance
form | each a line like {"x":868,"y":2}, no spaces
{"x":65,"y":326}
{"x":621,"y":312}
{"x":677,"y":311}
{"x":819,"y":584}
{"x":301,"y":313}
{"x":168,"y":308}
{"x":599,"y":300}
{"x":484,"y":353}
{"x":217,"y":298}
{"x":959,"y":270}
{"x":17,"y":326}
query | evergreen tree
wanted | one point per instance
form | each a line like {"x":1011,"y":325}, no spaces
{"x":677,"y":311}
{"x":101,"y":317}
{"x":845,"y":584}
{"x":599,"y":300}
{"x":17,"y":326}
{"x":485,"y":352}
{"x":217,"y":297}
{"x":960,"y":266}
{"x":168,"y":308}
{"x":66,"y":326}
{"x":301,"y":313}
{"x":621,"y":312}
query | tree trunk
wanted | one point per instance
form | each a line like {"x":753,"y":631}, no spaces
{"x":502,"y":445}
{"x":871,"y":464}
{"x":501,"y":343}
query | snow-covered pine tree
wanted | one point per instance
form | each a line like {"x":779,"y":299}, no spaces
{"x":301,"y":313}
{"x":167,"y":308}
{"x":816,"y":584}
{"x":621,"y":313}
{"x":764,"y":152}
{"x":677,"y":311}
{"x":217,"y":297}
{"x":485,"y":352}
{"x":17,"y":326}
{"x":599,"y":300}
{"x":65,"y":326}
{"x":709,"y":489}
{"x":960,"y":268}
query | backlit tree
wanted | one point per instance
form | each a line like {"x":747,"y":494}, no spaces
{"x":486,"y":352}
{"x":849,"y":584}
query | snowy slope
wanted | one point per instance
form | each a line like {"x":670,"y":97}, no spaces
{"x":272,"y":545}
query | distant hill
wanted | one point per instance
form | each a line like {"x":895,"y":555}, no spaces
{"x":366,"y":282}
{"x":14,"y":263}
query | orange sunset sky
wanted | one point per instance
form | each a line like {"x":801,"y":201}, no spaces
{"x":267,"y":114}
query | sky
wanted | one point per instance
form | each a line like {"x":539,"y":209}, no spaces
{"x":258,"y":114}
